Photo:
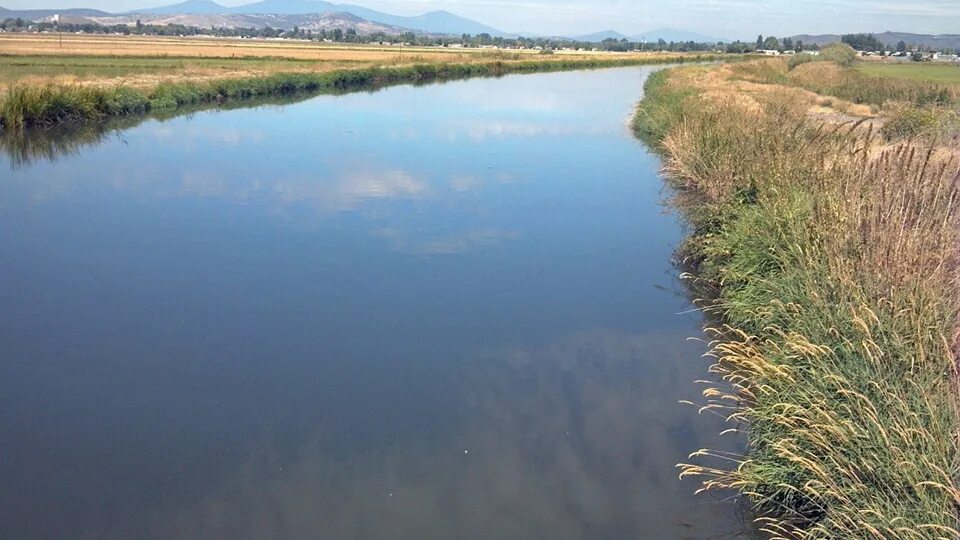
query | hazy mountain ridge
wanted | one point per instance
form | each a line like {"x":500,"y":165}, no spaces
{"x":189,"y":7}
{"x":37,"y":14}
{"x":434,"y":22}
{"x":320,"y":14}
{"x":602,"y":35}
{"x":672,"y":34}
{"x":307,"y":21}
{"x":206,"y":13}
{"x":437,"y":22}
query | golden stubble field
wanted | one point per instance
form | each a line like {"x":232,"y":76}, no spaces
{"x":203,"y":47}
{"x":144,"y":61}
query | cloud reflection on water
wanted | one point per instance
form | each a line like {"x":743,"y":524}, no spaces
{"x":304,"y":198}
{"x":574,"y":439}
{"x":425,"y":243}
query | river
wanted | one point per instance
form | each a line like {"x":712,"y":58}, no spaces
{"x":445,"y":311}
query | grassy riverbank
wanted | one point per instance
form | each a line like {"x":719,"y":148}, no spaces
{"x":29,"y":105}
{"x":831,"y":260}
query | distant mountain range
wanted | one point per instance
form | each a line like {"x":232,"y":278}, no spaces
{"x":672,"y":34}
{"x":320,"y":14}
{"x":38,"y":14}
{"x":434,"y":22}
{"x":666,"y":34}
{"x":316,"y":15}
{"x":942,"y":41}
{"x":597,"y":37}
{"x":189,"y":7}
{"x":208,"y":13}
{"x":307,"y":21}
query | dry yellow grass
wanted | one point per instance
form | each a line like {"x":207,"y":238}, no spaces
{"x":723,"y":82}
{"x":143,"y":62}
{"x":147,"y":61}
{"x":199,"y":47}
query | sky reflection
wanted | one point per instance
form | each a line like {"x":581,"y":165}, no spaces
{"x":335,"y":320}
{"x":573,"y":439}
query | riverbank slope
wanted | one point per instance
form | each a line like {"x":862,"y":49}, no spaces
{"x":828,"y":250}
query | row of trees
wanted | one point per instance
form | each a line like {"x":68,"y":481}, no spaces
{"x":860,"y":42}
{"x":869,"y":42}
{"x":866,"y":42}
{"x":14,"y":24}
{"x":771,"y":43}
{"x":350,"y":35}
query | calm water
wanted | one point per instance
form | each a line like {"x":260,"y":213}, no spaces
{"x":435,"y":312}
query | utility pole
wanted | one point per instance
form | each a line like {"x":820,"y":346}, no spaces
{"x":56,"y":19}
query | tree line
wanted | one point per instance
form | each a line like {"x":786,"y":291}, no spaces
{"x":870,"y":43}
{"x":860,"y":42}
{"x":352,"y":36}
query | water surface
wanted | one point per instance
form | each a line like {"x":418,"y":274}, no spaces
{"x":425,"y":312}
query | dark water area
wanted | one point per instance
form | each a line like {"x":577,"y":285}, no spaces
{"x":425,"y":312}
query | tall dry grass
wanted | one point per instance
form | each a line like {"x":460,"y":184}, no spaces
{"x":833,"y":262}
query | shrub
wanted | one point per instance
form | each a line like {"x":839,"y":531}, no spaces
{"x":799,"y":60}
{"x":839,"y":53}
{"x":935,"y":125}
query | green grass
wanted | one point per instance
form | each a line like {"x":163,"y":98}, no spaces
{"x":26,"y":106}
{"x":831,"y":263}
{"x":913,"y":71}
{"x":652,"y":124}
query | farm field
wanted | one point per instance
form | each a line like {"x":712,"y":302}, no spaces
{"x":144,"y":61}
{"x":43,"y":82}
{"x":941,"y":73}
{"x":145,"y":71}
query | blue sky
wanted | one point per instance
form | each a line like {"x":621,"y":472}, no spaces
{"x":721,"y":18}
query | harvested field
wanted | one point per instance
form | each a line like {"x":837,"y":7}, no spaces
{"x":147,"y":61}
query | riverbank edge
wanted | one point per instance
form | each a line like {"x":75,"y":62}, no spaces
{"x":27,"y":106}
{"x":870,"y":450}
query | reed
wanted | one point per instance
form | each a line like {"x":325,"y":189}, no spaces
{"x":832,"y":261}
